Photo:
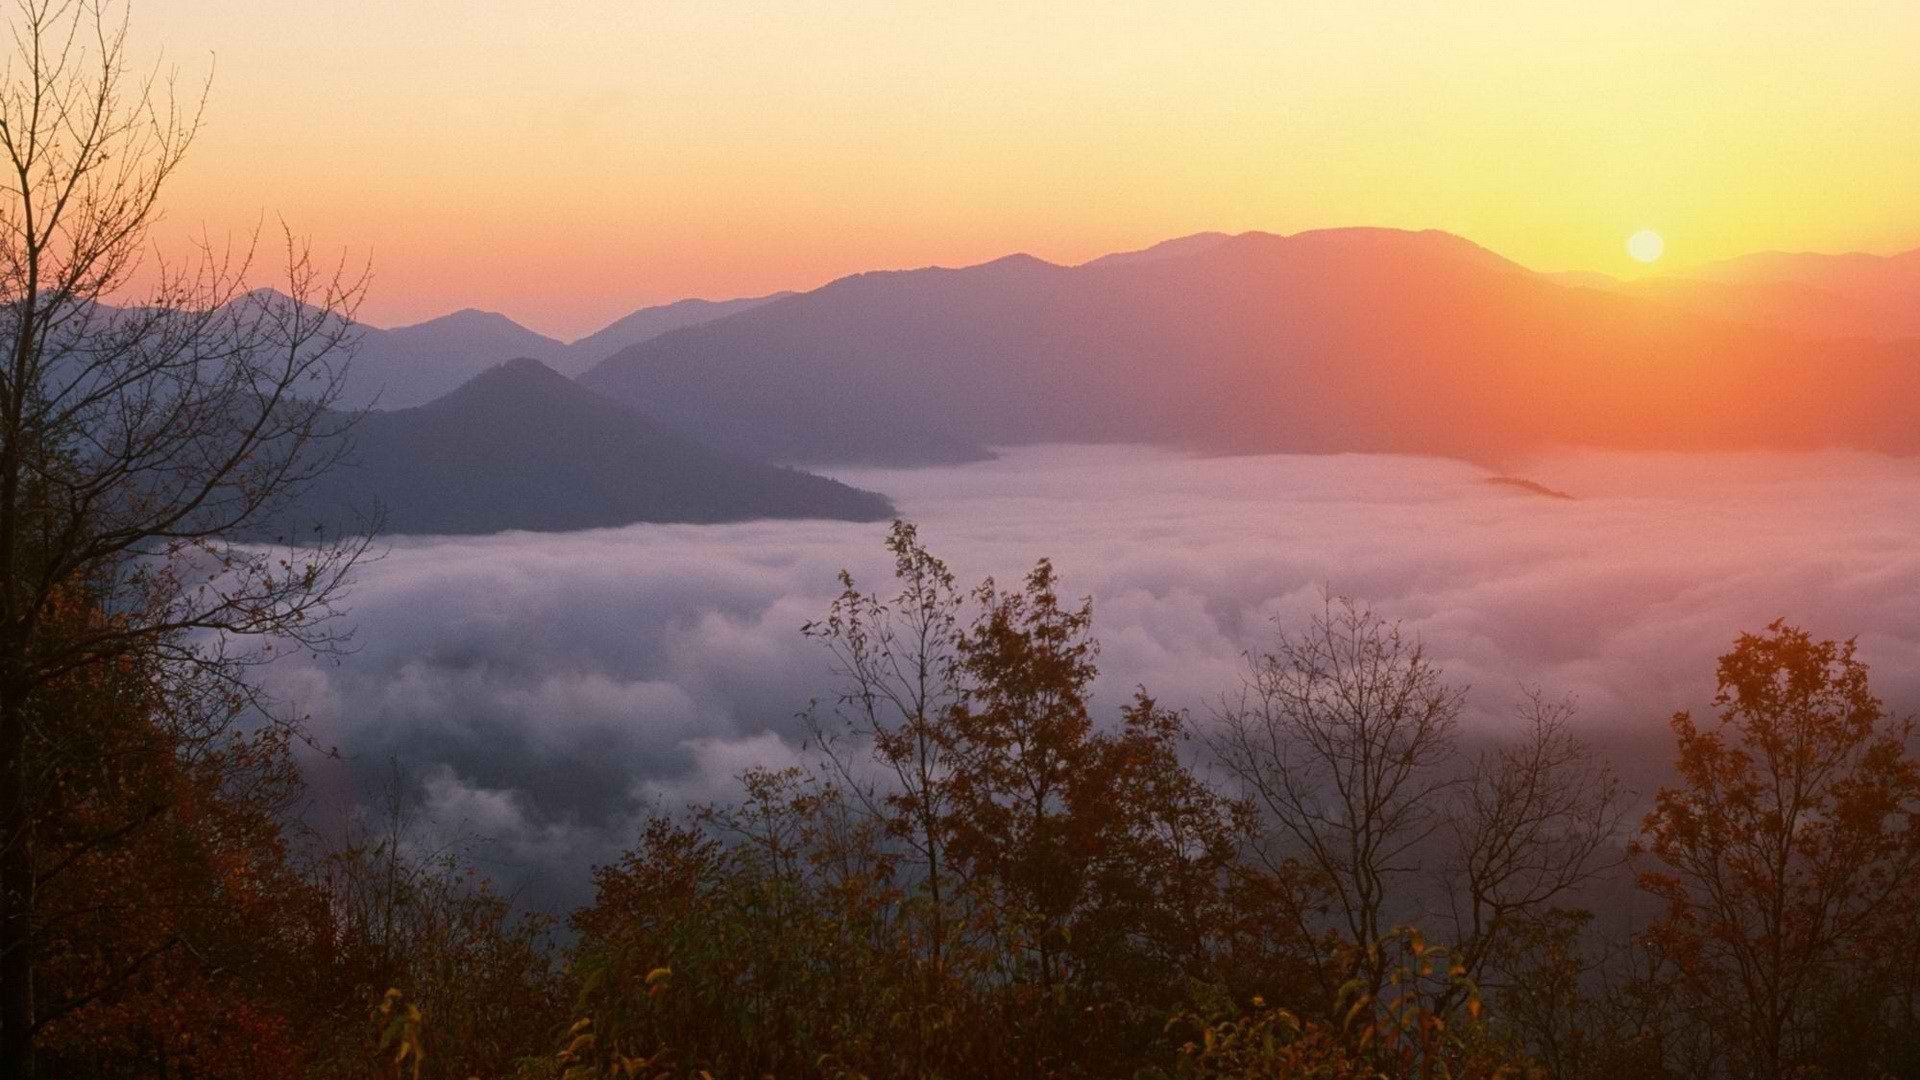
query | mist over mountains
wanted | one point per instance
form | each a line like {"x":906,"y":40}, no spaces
{"x":550,"y":691}
{"x":1348,"y":340}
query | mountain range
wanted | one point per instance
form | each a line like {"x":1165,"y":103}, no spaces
{"x":1327,"y":341}
{"x":405,"y":366}
{"x":1333,"y":340}
{"x":1826,"y":296}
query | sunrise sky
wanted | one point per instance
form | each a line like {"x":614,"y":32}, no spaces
{"x":564,"y":163}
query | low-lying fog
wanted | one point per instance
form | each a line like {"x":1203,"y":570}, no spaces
{"x":544,"y":691}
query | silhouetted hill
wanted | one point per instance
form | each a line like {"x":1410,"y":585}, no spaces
{"x":523,"y":447}
{"x":406,"y":366}
{"x":1849,"y":273}
{"x":649,"y":323}
{"x":1351,"y":339}
{"x":1178,"y":247}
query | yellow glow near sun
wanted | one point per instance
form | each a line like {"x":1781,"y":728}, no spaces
{"x":1645,"y":246}
{"x":778,"y":146}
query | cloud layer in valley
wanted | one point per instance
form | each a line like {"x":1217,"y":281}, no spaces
{"x":545,"y":691}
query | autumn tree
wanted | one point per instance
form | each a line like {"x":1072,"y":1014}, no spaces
{"x":179,"y":938}
{"x":1082,"y":867}
{"x":1158,"y":868}
{"x":1091,"y":859}
{"x":898,"y":661}
{"x":1022,"y":736}
{"x":139,"y":441}
{"x":407,"y":913}
{"x":1787,"y":854}
{"x":1095,"y":857}
{"x":782,"y":928}
{"x":1412,"y":1038}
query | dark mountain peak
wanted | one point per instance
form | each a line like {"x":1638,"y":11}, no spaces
{"x":469,"y":319}
{"x":1019,"y":260}
{"x":521,"y":446}
{"x":271,"y":299}
{"x":266,"y":294}
{"x":520,"y":380}
{"x":524,"y":371}
{"x":522,"y":367}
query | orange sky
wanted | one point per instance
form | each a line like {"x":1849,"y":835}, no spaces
{"x":564,"y":163}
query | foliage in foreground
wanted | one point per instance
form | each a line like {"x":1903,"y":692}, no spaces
{"x":984,"y":878}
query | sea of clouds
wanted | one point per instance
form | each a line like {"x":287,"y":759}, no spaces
{"x":542,"y":693}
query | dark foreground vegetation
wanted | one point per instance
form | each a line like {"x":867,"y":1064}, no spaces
{"x":982,"y":876}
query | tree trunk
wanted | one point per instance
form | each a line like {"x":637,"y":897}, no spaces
{"x":16,"y":894}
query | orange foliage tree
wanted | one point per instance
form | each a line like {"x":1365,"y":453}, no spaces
{"x":1020,"y":892}
{"x":1788,"y":853}
{"x":175,"y":936}
{"x":152,"y":414}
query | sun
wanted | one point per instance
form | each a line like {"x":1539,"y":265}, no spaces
{"x":1645,"y":246}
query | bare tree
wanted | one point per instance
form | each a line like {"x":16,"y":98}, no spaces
{"x":899,"y":662}
{"x":138,"y":440}
{"x":1346,"y":739}
{"x":1538,"y":817}
{"x":1343,"y":739}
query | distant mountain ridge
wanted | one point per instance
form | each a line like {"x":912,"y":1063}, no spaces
{"x":1846,"y":295}
{"x":404,"y":366}
{"x":521,"y":446}
{"x":1332,"y":340}
{"x":1849,"y":272}
{"x":1176,"y":248}
{"x":649,"y":323}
